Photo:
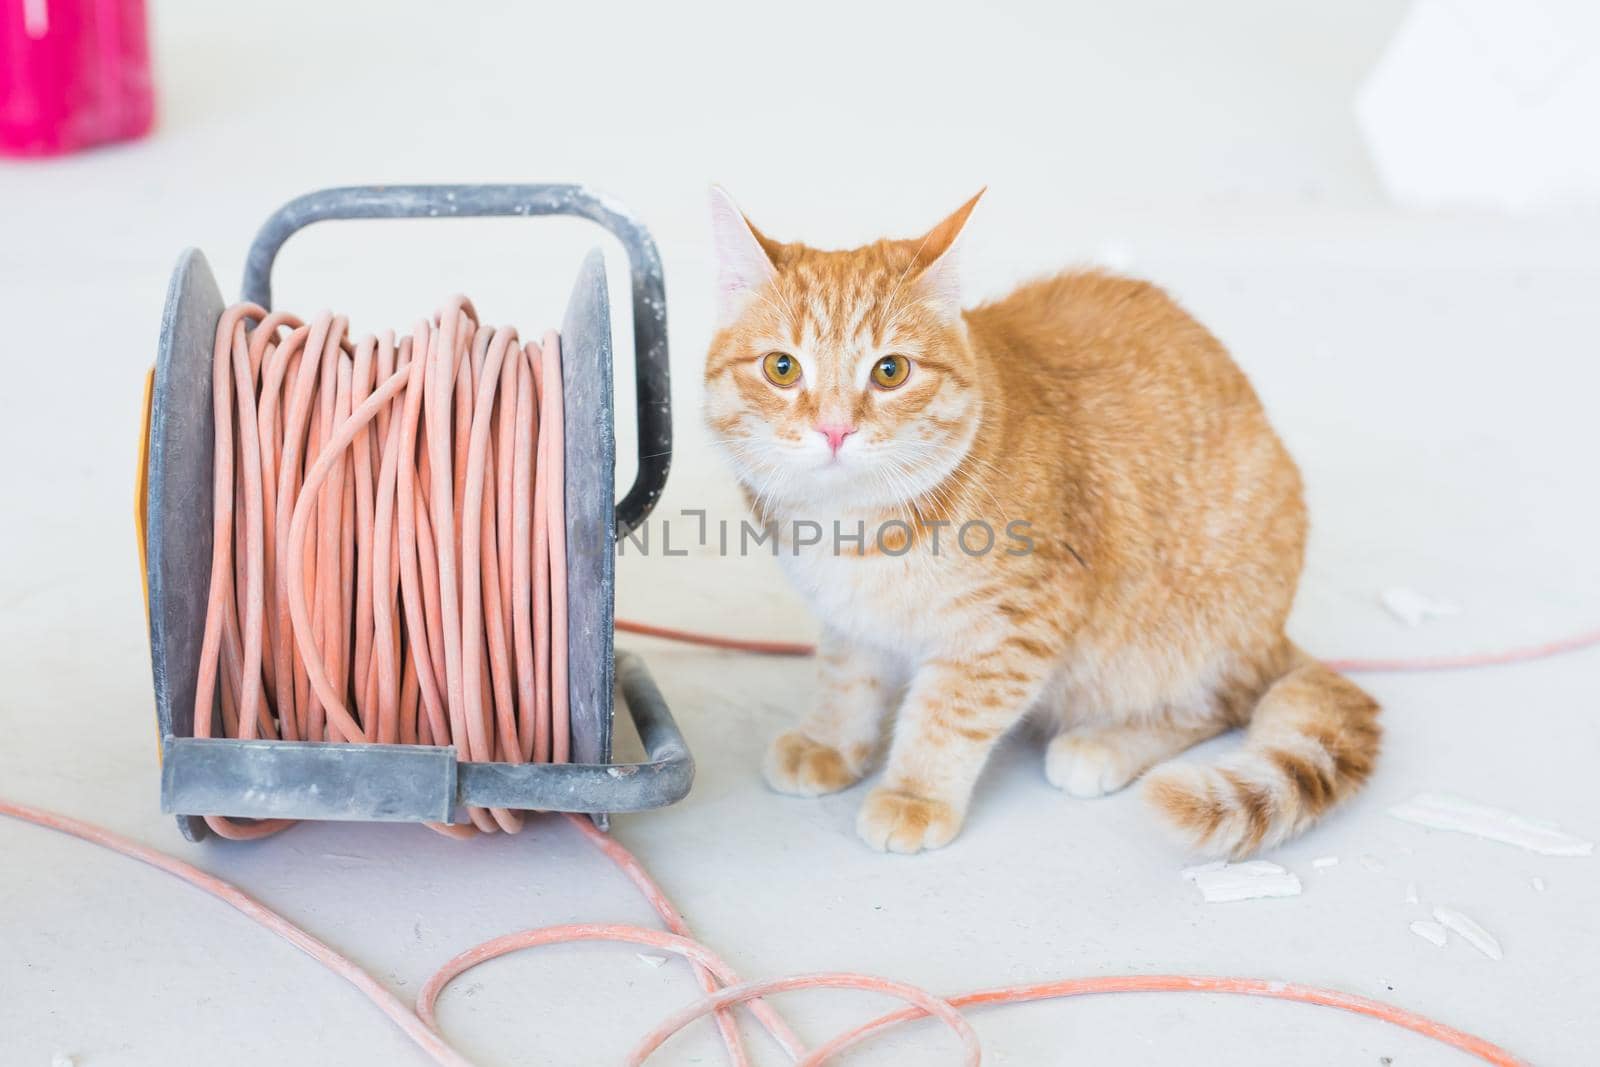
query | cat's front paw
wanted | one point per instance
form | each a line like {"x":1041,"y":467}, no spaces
{"x":892,"y":821}
{"x":802,"y":767}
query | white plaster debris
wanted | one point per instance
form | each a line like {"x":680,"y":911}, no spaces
{"x":1538,"y":883}
{"x":1430,"y":931}
{"x":1322,"y":863}
{"x":1414,"y":608}
{"x":1372,"y":863}
{"x":1442,"y":812}
{"x":1411,"y":893}
{"x":1471,"y":932}
{"x":654,"y":961}
{"x":1222,"y":883}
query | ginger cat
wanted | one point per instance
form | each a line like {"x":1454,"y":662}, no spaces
{"x":1147,"y":534}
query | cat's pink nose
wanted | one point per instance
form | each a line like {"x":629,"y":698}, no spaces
{"x":836,"y":434}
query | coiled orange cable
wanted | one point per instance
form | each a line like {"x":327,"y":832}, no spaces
{"x":388,"y":555}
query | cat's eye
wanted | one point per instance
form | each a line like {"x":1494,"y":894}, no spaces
{"x":781,"y":368}
{"x":890,"y":372}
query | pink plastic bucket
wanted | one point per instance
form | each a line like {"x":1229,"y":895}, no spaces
{"x":73,"y":73}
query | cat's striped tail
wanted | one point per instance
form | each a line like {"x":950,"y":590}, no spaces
{"x":1312,"y":742}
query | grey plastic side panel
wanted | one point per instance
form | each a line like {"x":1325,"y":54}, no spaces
{"x":178,"y":538}
{"x":591,"y":460}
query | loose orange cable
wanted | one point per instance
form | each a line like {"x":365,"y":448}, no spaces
{"x":1586,"y":639}
{"x":421,"y":1025}
{"x":1186,"y":983}
{"x":1525,"y":654}
{"x":735,"y":644}
{"x":397,"y":1010}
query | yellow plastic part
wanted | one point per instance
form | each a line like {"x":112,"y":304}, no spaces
{"x":141,"y":487}
{"x":141,"y":508}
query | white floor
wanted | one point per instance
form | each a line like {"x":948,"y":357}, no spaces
{"x":1435,"y":377}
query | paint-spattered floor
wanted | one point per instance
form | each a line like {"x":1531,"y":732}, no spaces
{"x":1435,"y":378}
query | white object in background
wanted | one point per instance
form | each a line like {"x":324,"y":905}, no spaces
{"x":1538,"y":884}
{"x":1442,"y":812}
{"x":1414,"y":608}
{"x":1487,"y":104}
{"x":1430,"y":932}
{"x":1223,"y":883}
{"x":1411,"y":893}
{"x":1322,"y":863}
{"x":1471,"y":932}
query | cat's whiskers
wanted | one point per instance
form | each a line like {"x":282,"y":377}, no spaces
{"x":911,"y":476}
{"x":767,"y":495}
{"x":902,"y":486}
{"x":739,"y":453}
{"x":900,"y":478}
{"x":899,"y":509}
{"x":964,"y":473}
{"x":760,"y":478}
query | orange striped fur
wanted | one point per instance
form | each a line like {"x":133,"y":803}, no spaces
{"x":1165,"y":519}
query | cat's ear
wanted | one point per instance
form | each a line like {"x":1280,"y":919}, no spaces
{"x":939,"y":258}
{"x":744,"y":256}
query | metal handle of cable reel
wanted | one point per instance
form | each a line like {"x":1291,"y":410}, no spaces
{"x":650,"y":365}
